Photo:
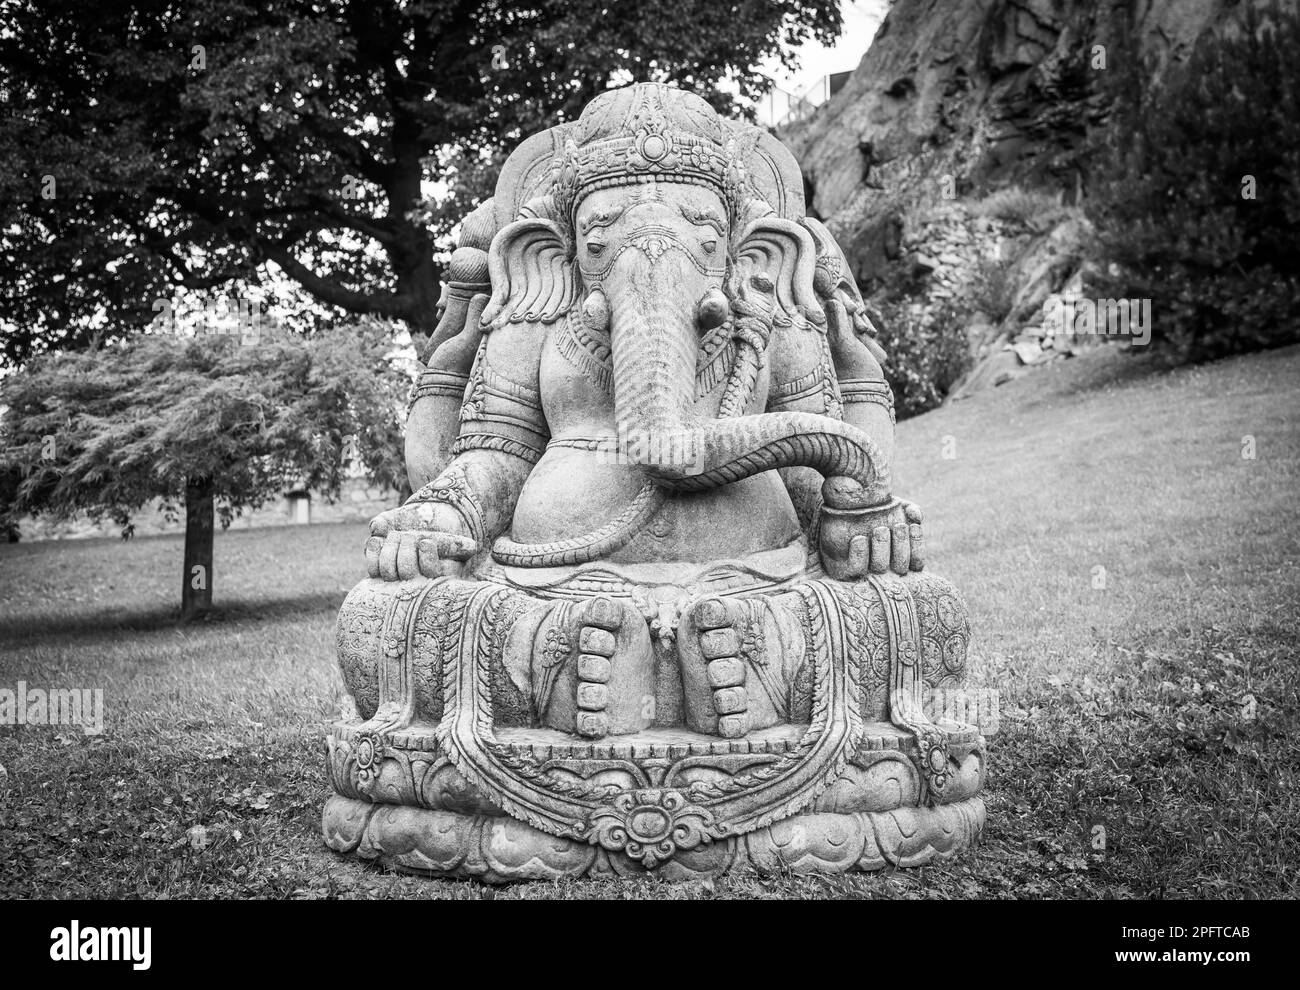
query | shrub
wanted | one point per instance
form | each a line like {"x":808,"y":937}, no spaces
{"x":1199,"y":210}
{"x":1035,"y":210}
{"x":991,"y":289}
{"x":926,"y":353}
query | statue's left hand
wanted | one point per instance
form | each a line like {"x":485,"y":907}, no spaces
{"x":855,"y":543}
{"x":418,"y":539}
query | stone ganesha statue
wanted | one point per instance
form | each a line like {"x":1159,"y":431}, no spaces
{"x":652,"y":605}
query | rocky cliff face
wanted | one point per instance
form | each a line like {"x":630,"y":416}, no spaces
{"x":988,"y":92}
{"x":958,"y":102}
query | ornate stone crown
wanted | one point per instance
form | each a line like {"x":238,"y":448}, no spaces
{"x":647,"y":133}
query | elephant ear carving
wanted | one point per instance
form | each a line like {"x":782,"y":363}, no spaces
{"x":533,"y":278}
{"x":784,"y":252}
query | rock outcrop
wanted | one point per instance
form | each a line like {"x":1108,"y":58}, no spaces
{"x":958,"y":102}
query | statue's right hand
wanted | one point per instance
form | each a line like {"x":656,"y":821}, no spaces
{"x":414,"y":540}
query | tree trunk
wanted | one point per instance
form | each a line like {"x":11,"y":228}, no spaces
{"x":411,"y":253}
{"x":196,"y":585}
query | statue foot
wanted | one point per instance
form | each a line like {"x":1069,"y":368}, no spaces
{"x":598,"y":621}
{"x":607,"y":687}
{"x":716,"y":629}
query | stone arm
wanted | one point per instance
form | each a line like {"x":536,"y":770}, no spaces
{"x":867,"y":400}
{"x":433,"y":418}
{"x":471,"y":501}
{"x":852,"y":388}
{"x":802,"y":381}
{"x":889,"y":538}
{"x":837,"y":374}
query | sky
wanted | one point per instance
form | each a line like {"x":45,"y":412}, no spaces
{"x":861,"y":18}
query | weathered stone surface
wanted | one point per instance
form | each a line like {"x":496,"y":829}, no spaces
{"x":653,"y":604}
{"x":503,"y":850}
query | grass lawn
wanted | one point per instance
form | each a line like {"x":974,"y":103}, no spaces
{"x":1135,"y":590}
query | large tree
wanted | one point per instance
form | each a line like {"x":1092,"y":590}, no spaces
{"x":1198,"y":200}
{"x":213,"y":424}
{"x":157,"y":144}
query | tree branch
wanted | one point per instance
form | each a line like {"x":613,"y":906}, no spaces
{"x":389,"y":304}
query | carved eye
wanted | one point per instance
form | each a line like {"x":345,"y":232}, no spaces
{"x":710,"y":246}
{"x":594,"y":248}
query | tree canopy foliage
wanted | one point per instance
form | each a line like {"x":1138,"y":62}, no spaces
{"x":1199,"y":208}
{"x":207,"y":422}
{"x":155,"y":144}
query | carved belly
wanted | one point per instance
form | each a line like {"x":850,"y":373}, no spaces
{"x":751,"y":516}
{"x":573,"y":492}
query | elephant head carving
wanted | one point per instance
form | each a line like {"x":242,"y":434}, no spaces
{"x":654,"y":224}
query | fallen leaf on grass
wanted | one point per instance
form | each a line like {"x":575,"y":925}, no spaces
{"x":996,"y":853}
{"x":199,"y":837}
{"x":248,"y":799}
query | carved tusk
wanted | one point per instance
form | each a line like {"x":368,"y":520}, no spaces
{"x":595,"y":311}
{"x":714,"y":310}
